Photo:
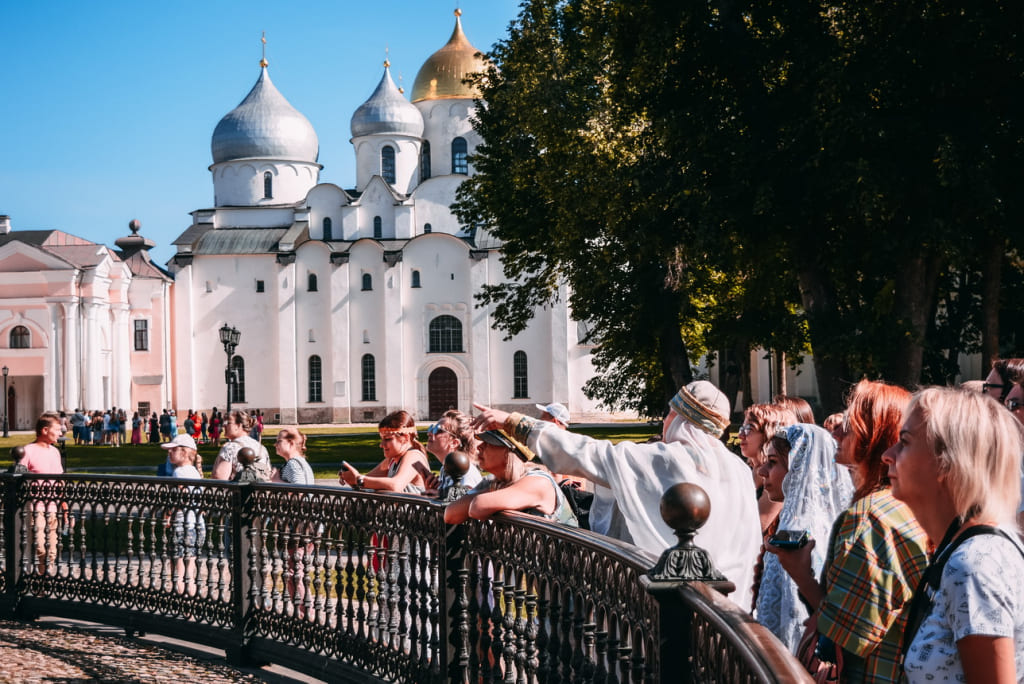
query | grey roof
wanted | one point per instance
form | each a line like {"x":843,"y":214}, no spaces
{"x":29,"y":237}
{"x":264,"y":125}
{"x":387,"y":111}
{"x":240,"y":241}
{"x":192,"y":233}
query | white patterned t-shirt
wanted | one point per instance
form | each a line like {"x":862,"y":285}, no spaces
{"x":982,"y":593}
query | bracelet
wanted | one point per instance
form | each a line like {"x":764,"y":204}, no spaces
{"x":360,"y":481}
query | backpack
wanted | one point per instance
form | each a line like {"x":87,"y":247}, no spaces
{"x":579,"y":501}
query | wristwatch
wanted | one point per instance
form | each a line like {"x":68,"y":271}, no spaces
{"x":360,"y":481}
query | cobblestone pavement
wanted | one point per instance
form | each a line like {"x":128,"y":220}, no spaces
{"x":63,"y":652}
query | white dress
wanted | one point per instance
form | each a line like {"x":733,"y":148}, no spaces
{"x":638,"y":474}
{"x":981,"y":593}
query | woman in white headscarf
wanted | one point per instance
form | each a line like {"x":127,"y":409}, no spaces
{"x":801,"y":472}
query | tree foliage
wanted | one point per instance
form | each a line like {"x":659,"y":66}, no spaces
{"x":770,"y":173}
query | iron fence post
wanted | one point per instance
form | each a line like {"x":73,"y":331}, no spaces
{"x":454,"y":621}
{"x":12,"y":546}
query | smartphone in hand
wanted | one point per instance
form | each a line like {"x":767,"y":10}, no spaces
{"x":790,"y":539}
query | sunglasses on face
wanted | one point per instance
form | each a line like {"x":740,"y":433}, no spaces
{"x":745,"y":429}
{"x":437,"y":429}
{"x":986,"y":386}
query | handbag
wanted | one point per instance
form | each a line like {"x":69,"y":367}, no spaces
{"x":821,"y":671}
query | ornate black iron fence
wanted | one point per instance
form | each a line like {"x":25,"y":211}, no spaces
{"x":356,"y":586}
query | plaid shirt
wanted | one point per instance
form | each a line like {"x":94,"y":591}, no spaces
{"x":876,"y":560}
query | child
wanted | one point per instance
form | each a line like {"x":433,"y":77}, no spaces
{"x":18,"y":455}
{"x":248,"y":473}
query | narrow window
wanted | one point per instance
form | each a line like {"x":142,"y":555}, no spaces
{"x":369,"y":378}
{"x":238,"y":386}
{"x":141,"y":335}
{"x":20,"y":338}
{"x":427,"y":228}
{"x":415,"y":278}
{"x":519,"y":384}
{"x":367,"y":282}
{"x":316,"y":392}
{"x":445,"y":335}
{"x":311,"y":283}
{"x":378,"y":227}
{"x":328,"y":229}
{"x":259,"y":286}
{"x":459,"y":162}
{"x":387,"y":164}
{"x":268,"y":185}
{"x":425,"y":161}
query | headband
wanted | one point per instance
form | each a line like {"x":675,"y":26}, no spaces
{"x":692,"y":409}
{"x":397,"y":431}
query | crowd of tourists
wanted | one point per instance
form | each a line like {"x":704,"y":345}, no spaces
{"x":113,"y":427}
{"x":884,"y":544}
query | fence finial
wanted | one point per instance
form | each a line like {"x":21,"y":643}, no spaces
{"x":685,"y":508}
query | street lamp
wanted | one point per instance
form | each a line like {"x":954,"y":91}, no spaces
{"x":229,"y":338}
{"x":5,"y":370}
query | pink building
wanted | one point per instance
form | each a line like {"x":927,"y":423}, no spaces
{"x":81,"y":325}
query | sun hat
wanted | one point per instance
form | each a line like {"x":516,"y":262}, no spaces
{"x":556,"y":411}
{"x":180,"y":440}
{"x":503,"y":439}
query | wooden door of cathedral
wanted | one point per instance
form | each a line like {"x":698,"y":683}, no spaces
{"x":442,"y":392}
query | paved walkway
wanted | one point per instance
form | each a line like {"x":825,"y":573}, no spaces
{"x":64,"y":651}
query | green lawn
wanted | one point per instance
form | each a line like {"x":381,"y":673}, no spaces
{"x":326,"y":448}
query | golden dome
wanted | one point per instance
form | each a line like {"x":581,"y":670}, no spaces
{"x":441,"y":75}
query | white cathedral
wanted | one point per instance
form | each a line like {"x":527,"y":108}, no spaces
{"x":352,"y":303}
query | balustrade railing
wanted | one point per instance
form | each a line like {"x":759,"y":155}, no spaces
{"x":358,"y":586}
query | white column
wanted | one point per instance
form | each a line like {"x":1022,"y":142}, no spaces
{"x":344,"y":363}
{"x":560,"y":343}
{"x":53,"y":368}
{"x":72,"y":367}
{"x":121,"y":366}
{"x":286,"y":366}
{"x":391,"y":368}
{"x":479,"y":382}
{"x":93,"y":358}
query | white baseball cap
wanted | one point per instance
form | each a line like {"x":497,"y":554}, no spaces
{"x":556,"y":411}
{"x":180,"y":440}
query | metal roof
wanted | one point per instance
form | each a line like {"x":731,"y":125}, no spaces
{"x":240,"y":241}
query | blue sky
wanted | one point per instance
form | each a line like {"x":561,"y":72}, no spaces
{"x":109,"y":105}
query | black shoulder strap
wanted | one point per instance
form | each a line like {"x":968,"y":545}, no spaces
{"x":920,"y":603}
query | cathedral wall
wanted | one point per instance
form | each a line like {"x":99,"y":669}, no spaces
{"x":241,"y":182}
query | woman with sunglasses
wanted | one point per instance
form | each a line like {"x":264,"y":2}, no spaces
{"x":452,"y":432}
{"x":1004,"y":375}
{"x":404,"y":467}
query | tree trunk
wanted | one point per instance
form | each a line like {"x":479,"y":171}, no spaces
{"x":992,"y":276}
{"x":913,"y":305}
{"x":823,"y":326}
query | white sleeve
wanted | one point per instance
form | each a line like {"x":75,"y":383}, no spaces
{"x":568,"y":453}
{"x":981,"y":580}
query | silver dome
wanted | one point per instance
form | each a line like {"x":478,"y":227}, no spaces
{"x":387,"y":111}
{"x":266,"y":126}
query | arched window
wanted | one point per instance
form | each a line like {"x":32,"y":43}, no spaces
{"x":445,"y":334}
{"x":311,"y":282}
{"x":316,"y":392}
{"x":378,"y":227}
{"x":369,"y":369}
{"x":268,"y":185}
{"x":367,"y":282}
{"x":459,"y":163}
{"x":425,"y":161}
{"x":20,"y":338}
{"x":328,"y":229}
{"x":427,"y":228}
{"x":520,"y":388}
{"x":387,"y":164}
{"x":238,"y":384}
{"x":416,"y":278}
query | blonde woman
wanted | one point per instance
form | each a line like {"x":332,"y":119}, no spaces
{"x":957,"y":466}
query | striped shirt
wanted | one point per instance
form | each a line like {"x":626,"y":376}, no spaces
{"x":875,"y":562}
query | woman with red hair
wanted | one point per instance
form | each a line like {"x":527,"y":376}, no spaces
{"x":876,"y":551}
